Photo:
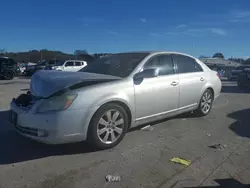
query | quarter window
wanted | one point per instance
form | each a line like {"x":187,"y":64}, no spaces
{"x":163,"y":62}
{"x":186,"y":64}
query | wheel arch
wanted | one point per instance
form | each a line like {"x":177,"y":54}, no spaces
{"x":212,"y":91}
{"x":119,"y":102}
{"x":9,"y":70}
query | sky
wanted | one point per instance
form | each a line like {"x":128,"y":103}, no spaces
{"x":196,"y":27}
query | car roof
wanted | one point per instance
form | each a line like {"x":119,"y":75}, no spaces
{"x":74,"y":60}
{"x":152,"y":52}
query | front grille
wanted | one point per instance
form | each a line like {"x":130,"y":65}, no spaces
{"x":26,"y":130}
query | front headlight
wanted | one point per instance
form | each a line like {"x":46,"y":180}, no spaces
{"x":57,"y":103}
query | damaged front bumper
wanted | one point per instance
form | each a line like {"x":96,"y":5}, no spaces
{"x":56,"y":127}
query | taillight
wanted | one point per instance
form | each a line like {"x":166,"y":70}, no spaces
{"x":218,"y":75}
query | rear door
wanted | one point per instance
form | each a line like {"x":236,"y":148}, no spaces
{"x":69,"y":66}
{"x":191,"y":79}
{"x":78,"y":65}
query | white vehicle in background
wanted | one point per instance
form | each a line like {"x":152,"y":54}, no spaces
{"x":70,"y":65}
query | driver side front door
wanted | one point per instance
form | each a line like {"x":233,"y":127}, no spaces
{"x":157,"y":97}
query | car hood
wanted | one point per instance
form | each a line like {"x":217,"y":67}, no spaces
{"x":30,"y":67}
{"x":46,"y":83}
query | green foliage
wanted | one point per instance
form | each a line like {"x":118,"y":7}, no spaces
{"x":218,"y":55}
{"x":80,"y":52}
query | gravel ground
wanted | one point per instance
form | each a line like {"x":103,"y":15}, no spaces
{"x":142,"y":158}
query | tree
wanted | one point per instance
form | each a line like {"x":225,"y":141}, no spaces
{"x":218,"y":55}
{"x":80,"y":52}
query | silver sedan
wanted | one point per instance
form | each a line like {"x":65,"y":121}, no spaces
{"x":111,"y":95}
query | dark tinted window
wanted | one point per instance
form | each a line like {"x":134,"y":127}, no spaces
{"x":78,"y":63}
{"x":163,"y":62}
{"x":8,"y":61}
{"x":3,"y":60}
{"x":12,"y":62}
{"x":186,"y":64}
{"x":69,"y":63}
{"x":120,"y":65}
{"x":241,"y":67}
{"x":52,"y":62}
{"x":59,"y":63}
{"x":42,"y":63}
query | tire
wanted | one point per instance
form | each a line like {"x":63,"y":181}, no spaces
{"x":9,"y":75}
{"x":206,"y":99}
{"x":109,"y":131}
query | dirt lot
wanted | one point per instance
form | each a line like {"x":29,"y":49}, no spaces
{"x":142,"y":158}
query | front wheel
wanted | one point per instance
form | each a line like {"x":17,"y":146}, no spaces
{"x":206,"y":103}
{"x":9,"y":75}
{"x":108,"y":126}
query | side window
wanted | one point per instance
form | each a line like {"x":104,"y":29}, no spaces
{"x":186,"y":64}
{"x":78,"y":63}
{"x":1,"y":60}
{"x":163,"y":62}
{"x":69,"y":63}
{"x":11,"y":62}
{"x":52,"y":62}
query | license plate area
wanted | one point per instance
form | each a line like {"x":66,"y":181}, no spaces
{"x":13,"y":117}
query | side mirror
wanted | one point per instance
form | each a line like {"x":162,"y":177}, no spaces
{"x":147,"y":73}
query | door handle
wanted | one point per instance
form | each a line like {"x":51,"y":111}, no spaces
{"x":174,"y":83}
{"x":202,"y":79}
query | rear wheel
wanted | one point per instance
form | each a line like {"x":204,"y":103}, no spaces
{"x":108,"y":126}
{"x":206,"y":103}
{"x":9,"y":75}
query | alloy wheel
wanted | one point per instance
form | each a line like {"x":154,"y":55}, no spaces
{"x":110,"y":126}
{"x":206,"y":102}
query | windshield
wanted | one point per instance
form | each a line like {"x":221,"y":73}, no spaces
{"x":120,"y":65}
{"x":42,"y":62}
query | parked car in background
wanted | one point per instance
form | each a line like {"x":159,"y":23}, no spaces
{"x":111,"y":95}
{"x":243,"y":80}
{"x":42,"y":65}
{"x":22,"y":68}
{"x":235,"y":72}
{"x":70,"y":65}
{"x":8,"y":68}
